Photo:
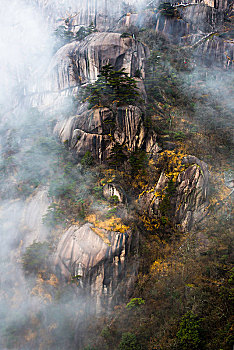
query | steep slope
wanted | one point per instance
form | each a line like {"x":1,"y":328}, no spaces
{"x":124,"y":203}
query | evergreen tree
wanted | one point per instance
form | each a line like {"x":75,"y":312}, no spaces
{"x":117,"y":156}
{"x":112,"y":87}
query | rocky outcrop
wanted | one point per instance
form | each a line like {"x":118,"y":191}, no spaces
{"x":95,"y":259}
{"x":219,"y":4}
{"x":111,"y":189}
{"x":32,"y":225}
{"x":97,"y":130}
{"x":184,"y":201}
{"x":201,"y":18}
{"x":79,"y":63}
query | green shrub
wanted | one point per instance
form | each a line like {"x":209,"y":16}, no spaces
{"x":87,"y":160}
{"x":114,"y":200}
{"x":106,"y":333}
{"x":179,"y":136}
{"x":128,"y":342}
{"x":85,"y":31}
{"x":190,"y":332}
{"x":64,"y":34}
{"x":126,"y":35}
{"x":97,"y":191}
{"x":135,"y":302}
{"x":118,"y":155}
{"x":111,"y":212}
{"x":138,"y":161}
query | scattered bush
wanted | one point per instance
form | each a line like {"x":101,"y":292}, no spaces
{"x":62,"y":187}
{"x":54,"y":216}
{"x":135,"y":302}
{"x":97,"y":192}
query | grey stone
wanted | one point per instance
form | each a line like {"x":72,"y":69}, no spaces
{"x":111,"y":189}
{"x":90,"y":131}
{"x":189,"y":201}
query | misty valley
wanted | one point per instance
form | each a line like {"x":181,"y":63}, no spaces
{"x":116,"y":187}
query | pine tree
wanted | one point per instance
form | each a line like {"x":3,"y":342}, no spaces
{"x":112,"y":87}
{"x":117,"y":156}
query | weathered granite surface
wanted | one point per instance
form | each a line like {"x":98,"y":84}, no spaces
{"x":98,"y":129}
{"x":96,"y":259}
{"x":80,"y":62}
{"x":187,"y":202}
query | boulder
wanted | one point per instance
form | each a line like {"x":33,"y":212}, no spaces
{"x":79,"y":63}
{"x":95,"y":259}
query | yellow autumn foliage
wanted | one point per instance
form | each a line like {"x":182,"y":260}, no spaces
{"x":174,"y":163}
{"x":111,"y":224}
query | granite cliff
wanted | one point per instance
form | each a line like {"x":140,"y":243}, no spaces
{"x":112,"y":224}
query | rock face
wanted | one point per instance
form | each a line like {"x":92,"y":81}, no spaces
{"x":183,"y":202}
{"x":194,"y":24}
{"x":111,"y":189}
{"x":193,"y":19}
{"x":79,"y":63}
{"x":97,"y":260}
{"x":97,"y":130}
{"x":21,"y":221}
{"x":216,"y":51}
{"x":34,"y":210}
{"x":102,"y":14}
